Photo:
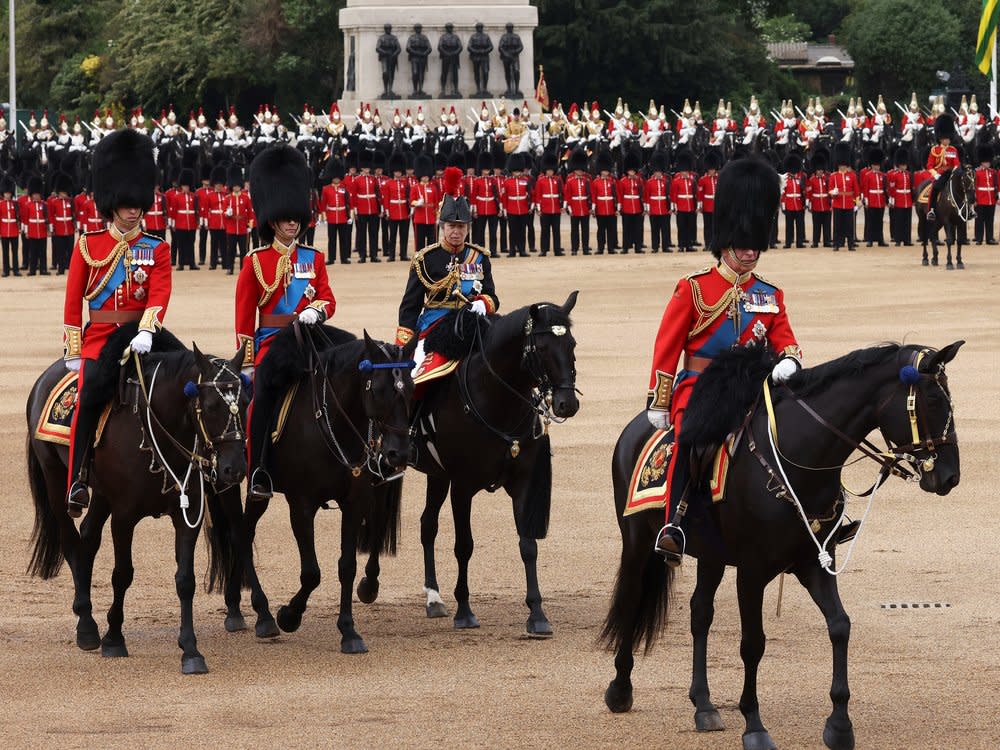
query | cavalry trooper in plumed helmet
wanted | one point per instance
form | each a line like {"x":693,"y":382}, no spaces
{"x":120,"y":274}
{"x":281,"y":281}
{"x":448,"y":275}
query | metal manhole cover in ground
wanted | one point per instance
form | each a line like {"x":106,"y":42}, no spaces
{"x":916,"y":605}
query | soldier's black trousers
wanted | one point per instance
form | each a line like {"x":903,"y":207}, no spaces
{"x":185,"y":247}
{"x":35,"y":250}
{"x":399,"y":232}
{"x":607,"y":236}
{"x":687,"y":229}
{"x":821,"y":226}
{"x":795,"y":228}
{"x":529,"y":225}
{"x":385,"y":224}
{"x":550,"y":233}
{"x":218,"y":251}
{"x":338,"y":234}
{"x":236,"y":246}
{"x":503,"y":234}
{"x":174,"y":247}
{"x":708,"y":222}
{"x":874,"y":219}
{"x":479,"y":232}
{"x":367,"y":236}
{"x":659,"y":230}
{"x":24,"y":252}
{"x":62,"y":249}
{"x":984,"y":223}
{"x":10,"y":256}
{"x":631,"y":232}
{"x":843,"y":227}
{"x":579,"y":231}
{"x":423,"y":236}
{"x":202,"y":244}
{"x":517,"y":225}
{"x":309,"y":237}
{"x":900,"y":225}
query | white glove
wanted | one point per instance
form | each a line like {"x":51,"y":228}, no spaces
{"x":74,"y":364}
{"x":478,"y":307}
{"x":309,"y":316}
{"x":229,"y":212}
{"x":142,"y":342}
{"x":248,"y":371}
{"x":659,"y":419}
{"x":784,"y":370}
{"x":835,"y":191}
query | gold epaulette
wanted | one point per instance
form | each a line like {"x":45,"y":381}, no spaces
{"x":702,"y":272}
{"x":765,"y":281}
{"x":257,"y":250}
{"x":96,"y":231}
{"x":421,"y":253}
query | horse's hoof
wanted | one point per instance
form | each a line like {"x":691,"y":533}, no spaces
{"x":367,"y":590}
{"x":925,"y":262}
{"x":758,"y":741}
{"x":114,"y":650}
{"x":267,"y":629}
{"x":950,"y":266}
{"x":88,"y":640}
{"x":934,"y":262}
{"x":437,"y":609}
{"x":466,"y":622}
{"x":838,"y":739}
{"x":235,"y":623}
{"x":960,"y":266}
{"x":618,"y":700}
{"x":194,"y":665}
{"x":353,"y":646}
{"x":708,"y":721}
{"x":539,"y":628}
{"x":288,"y":620}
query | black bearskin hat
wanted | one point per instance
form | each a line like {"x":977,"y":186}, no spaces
{"x":397,"y":162}
{"x":456,"y":159}
{"x":440,"y":162}
{"x":364,"y":159}
{"x":746,"y":205}
{"x":604,"y":163}
{"x":424,"y":166}
{"x":410,"y":158}
{"x":944,"y":127}
{"x":515,"y":163}
{"x":7,"y":185}
{"x":549,"y":161}
{"x":578,"y":160}
{"x":632,"y":162}
{"x":454,"y":207}
{"x":62,"y":183}
{"x":984,"y":153}
{"x":378,"y":161}
{"x":484,"y":163}
{"x":901,"y":157}
{"x":218,"y":176}
{"x":334,"y":169}
{"x":35,"y":185}
{"x":234,"y":177}
{"x":793,"y":163}
{"x":658,"y":162}
{"x":821,"y":159}
{"x":842,"y":155}
{"x":279,"y":188}
{"x":875,"y":156}
{"x":186,"y":177}
{"x":684,"y":161}
{"x":714,"y":160}
{"x":124,"y":172}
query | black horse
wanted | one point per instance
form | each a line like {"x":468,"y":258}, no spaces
{"x":173,"y":436}
{"x":954,"y":206}
{"x":346,"y":439}
{"x":482,"y":429}
{"x":822,"y":416}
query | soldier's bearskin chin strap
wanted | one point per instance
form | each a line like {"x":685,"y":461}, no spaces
{"x":737,"y":264}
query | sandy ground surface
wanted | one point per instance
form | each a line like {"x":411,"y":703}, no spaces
{"x":920,"y":679}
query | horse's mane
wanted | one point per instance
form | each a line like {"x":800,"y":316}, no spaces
{"x":814,"y":379}
{"x":511,"y":325}
{"x":285,"y":361}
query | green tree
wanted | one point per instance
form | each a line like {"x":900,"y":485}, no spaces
{"x":823,"y":18}
{"x":785,"y":28}
{"x":894,"y":58}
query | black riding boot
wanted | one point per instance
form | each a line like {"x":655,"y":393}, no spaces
{"x":78,"y":497}
{"x":932,"y":200}
{"x":671,"y":541}
{"x":261,"y":487}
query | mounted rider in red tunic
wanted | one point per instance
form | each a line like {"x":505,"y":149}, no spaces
{"x":942,"y":159}
{"x":120,"y":274}
{"x":280,"y":282}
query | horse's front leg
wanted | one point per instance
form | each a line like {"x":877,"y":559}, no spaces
{"x":88,"y":637}
{"x":192,"y":662}
{"x":122,"y":531}
{"x":538,"y":624}
{"x":710,"y":572}
{"x":461,"y":510}
{"x":303,"y":517}
{"x":351,"y":641}
{"x":822,"y":587}
{"x":950,"y":235}
{"x":437,"y":492}
{"x":265,"y":627}
{"x":750,"y":592}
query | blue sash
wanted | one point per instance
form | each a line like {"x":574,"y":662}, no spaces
{"x":725,"y":336}
{"x":142,"y":248}
{"x":431,"y":316}
{"x":288,"y":303}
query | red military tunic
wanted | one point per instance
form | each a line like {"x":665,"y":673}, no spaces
{"x":34,"y":220}
{"x":899,"y":186}
{"x":202,"y":195}
{"x":656,"y":196}
{"x":485,"y":196}
{"x":335,"y":203}
{"x":629,"y":193}
{"x":364,"y":195}
{"x":942,"y":158}
{"x":213,"y":207}
{"x":817,"y":193}
{"x":873,"y":189}
{"x":8,"y":218}
{"x":709,"y":313}
{"x":706,"y":192}
{"x":605,"y":196}
{"x":278,"y":281}
{"x":683,"y":193}
{"x":548,"y":194}
{"x":986,"y":187}
{"x":395,"y":198}
{"x":155,"y":219}
{"x":576,"y":195}
{"x":237,"y":213}
{"x":515,"y":196}
{"x":182,"y":210}
{"x":425,"y":197}
{"x":89,"y":218}
{"x":61,"y":220}
{"x":793,"y":197}
{"x":843,"y":187}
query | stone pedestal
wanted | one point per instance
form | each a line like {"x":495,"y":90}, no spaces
{"x":362,"y":21}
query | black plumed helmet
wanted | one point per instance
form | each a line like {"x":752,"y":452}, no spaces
{"x":746,"y":205}
{"x":944,"y":127}
{"x":124,"y":172}
{"x":424,"y":166}
{"x":578,"y":160}
{"x":454,"y":207}
{"x":279,"y":188}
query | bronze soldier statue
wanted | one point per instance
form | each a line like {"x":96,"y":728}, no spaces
{"x":449,"y":47}
{"x":480,"y":47}
{"x":418,"y":48}
{"x":387,"y":48}
{"x":510,"y":52}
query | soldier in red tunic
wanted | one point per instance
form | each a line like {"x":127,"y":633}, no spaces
{"x":942,"y":158}
{"x":62,"y":223}
{"x":237,"y":214}
{"x":986,"y":196}
{"x":576,"y":197}
{"x":282,"y":281}
{"x":9,"y":226}
{"x":335,"y":208}
{"x":630,"y":190}
{"x":182,"y":216}
{"x":202,"y":196}
{"x":604,"y":196}
{"x":516,"y":205}
{"x":716,"y":309}
{"x":485,"y":202}
{"x":365,"y":205}
{"x":818,"y":199}
{"x":873,"y":196}
{"x":684,"y":198}
{"x":845,"y":195}
{"x":425,"y":197}
{"x":395,"y":193}
{"x":706,"y":192}
{"x":120,"y":274}
{"x":214,"y":213}
{"x":793,"y":201}
{"x":899,"y":185}
{"x":34,"y":226}
{"x":154,"y":221}
{"x":547,"y":197}
{"x":656,"y":202}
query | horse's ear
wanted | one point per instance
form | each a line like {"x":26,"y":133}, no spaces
{"x":533,"y":311}
{"x":570,"y":302}
{"x":200,"y":359}
{"x":369,"y":343}
{"x":941,"y":357}
{"x":236,"y":363}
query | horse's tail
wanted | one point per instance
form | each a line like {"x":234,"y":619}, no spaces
{"x":533,"y":519}
{"x":380,"y":528}
{"x":222,"y":554}
{"x":639,"y":604}
{"x":46,"y":552}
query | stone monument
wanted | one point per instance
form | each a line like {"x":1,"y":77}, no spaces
{"x":377,"y":33}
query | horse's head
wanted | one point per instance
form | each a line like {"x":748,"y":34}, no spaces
{"x":918,"y":418}
{"x":964,"y":188}
{"x":550,"y":354}
{"x":386,"y":395}
{"x":218,"y":401}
